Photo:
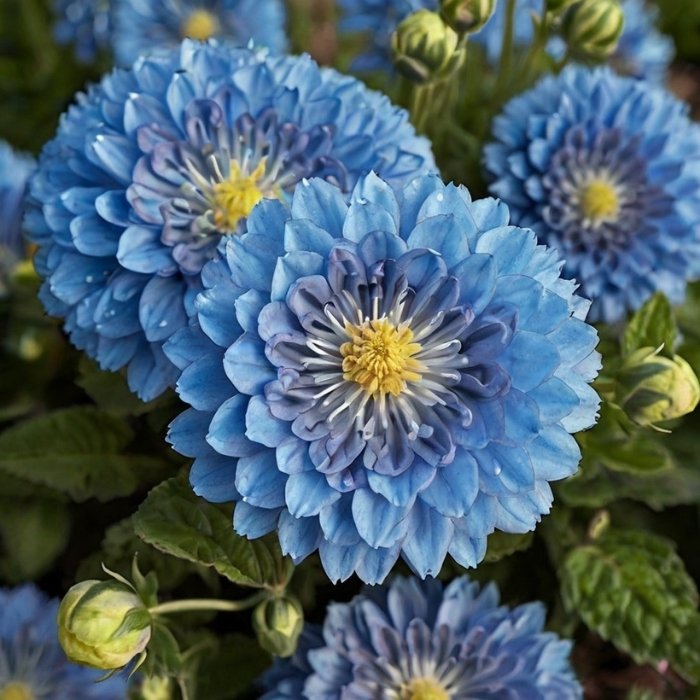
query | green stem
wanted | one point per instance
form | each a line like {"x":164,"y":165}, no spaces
{"x":507,"y":52}
{"x":194,"y":604}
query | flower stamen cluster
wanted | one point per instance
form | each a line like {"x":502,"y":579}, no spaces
{"x":235,"y":197}
{"x":200,"y":24}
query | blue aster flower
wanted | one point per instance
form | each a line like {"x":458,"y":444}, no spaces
{"x":15,"y":169}
{"x":416,"y":640}
{"x":607,"y":170}
{"x":147,"y":24}
{"x":32,"y":664}
{"x":154,"y":167}
{"x":85,"y":23}
{"x":394,"y":377}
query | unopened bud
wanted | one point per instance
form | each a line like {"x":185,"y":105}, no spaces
{"x":103,"y":624}
{"x":592,"y":28}
{"x":425,"y":48}
{"x":653,"y":388}
{"x":466,"y":15}
{"x":278,"y":623}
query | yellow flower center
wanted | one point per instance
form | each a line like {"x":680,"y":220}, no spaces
{"x":424,"y":689}
{"x":599,"y":201}
{"x":16,"y":691}
{"x":200,"y":25}
{"x":235,"y":198}
{"x":379,"y":357}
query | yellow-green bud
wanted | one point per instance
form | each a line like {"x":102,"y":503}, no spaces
{"x":425,"y":48}
{"x":466,"y":15}
{"x":156,"y":688}
{"x":592,"y":28}
{"x":653,"y":388}
{"x":103,"y":624}
{"x":278,"y":623}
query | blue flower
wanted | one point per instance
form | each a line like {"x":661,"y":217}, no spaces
{"x":32,"y":664}
{"x":400,"y":376}
{"x":142,"y":26}
{"x":643,"y":51}
{"x":15,"y":169}
{"x":155,"y":166}
{"x":607,"y":170}
{"x":85,"y":23}
{"x":414,"y":639}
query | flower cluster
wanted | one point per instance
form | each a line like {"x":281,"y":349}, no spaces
{"x":87,"y":24}
{"x":32,"y":664}
{"x":154,"y":167}
{"x":606,"y":170}
{"x":418,"y":640}
{"x":139,"y":27}
{"x":373,"y":394}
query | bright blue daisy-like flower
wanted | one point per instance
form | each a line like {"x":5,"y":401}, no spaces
{"x":147,"y":24}
{"x":394,"y":377}
{"x":607,"y":170}
{"x":15,"y":169}
{"x":85,"y":23}
{"x":418,"y":641}
{"x":32,"y":663}
{"x":154,"y":167}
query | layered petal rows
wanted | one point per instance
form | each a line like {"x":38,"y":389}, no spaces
{"x":393,"y":377}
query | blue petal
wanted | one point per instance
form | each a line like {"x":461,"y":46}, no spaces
{"x":247,"y":366}
{"x":253,"y":522}
{"x":213,"y":477}
{"x":455,"y":486}
{"x":308,"y":492}
{"x":259,"y":481}
{"x":262,"y":427}
{"x":379,"y":523}
{"x":321,"y":203}
{"x":426,"y":545}
{"x":298,"y":536}
{"x":204,"y":385}
{"x":161,"y":308}
{"x":227,"y":429}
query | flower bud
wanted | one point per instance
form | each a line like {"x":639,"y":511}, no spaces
{"x":592,"y":28}
{"x":425,"y":48}
{"x":653,"y":388}
{"x":103,"y":624}
{"x":466,"y":15}
{"x":278,"y":623}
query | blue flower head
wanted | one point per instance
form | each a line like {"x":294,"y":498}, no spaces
{"x":15,"y":169}
{"x":154,"y":167}
{"x":606,"y":170}
{"x":85,"y":23}
{"x":142,"y":26}
{"x":396,"y":376}
{"x":416,"y":640}
{"x":32,"y":664}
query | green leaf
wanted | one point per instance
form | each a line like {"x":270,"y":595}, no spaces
{"x":503,"y":544}
{"x":78,"y":451}
{"x":176,"y":521}
{"x":214,"y":678}
{"x":117,"y":551}
{"x":653,"y":325}
{"x":632,"y":589}
{"x":637,"y":455}
{"x":33,"y":533}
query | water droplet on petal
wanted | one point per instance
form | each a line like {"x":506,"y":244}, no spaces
{"x":162,"y":324}
{"x":89,"y":279}
{"x":440,"y":197}
{"x":497,"y":470}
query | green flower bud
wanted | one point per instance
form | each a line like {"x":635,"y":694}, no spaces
{"x":592,"y":28}
{"x":103,"y":624}
{"x":653,"y":388}
{"x":156,"y":688}
{"x":466,"y":15}
{"x":425,"y":48}
{"x":278,"y":623}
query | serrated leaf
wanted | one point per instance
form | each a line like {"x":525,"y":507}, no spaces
{"x":653,"y":325}
{"x":176,"y":521}
{"x":632,"y":589}
{"x":78,"y":451}
{"x":33,"y":533}
{"x":503,"y":544}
